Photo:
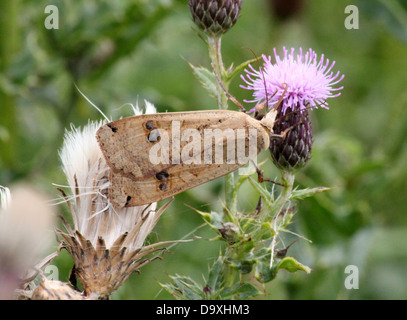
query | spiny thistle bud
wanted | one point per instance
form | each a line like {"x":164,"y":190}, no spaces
{"x":230,"y":232}
{"x":294,"y":150}
{"x":215,"y":17}
{"x":294,"y":84}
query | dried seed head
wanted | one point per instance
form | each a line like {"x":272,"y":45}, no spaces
{"x":294,"y":150}
{"x":215,"y":17}
{"x":107,"y":244}
{"x":56,"y":290}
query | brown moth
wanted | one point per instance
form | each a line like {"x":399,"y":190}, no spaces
{"x":156,"y":156}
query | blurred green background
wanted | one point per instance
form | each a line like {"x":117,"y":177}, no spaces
{"x":121,"y":52}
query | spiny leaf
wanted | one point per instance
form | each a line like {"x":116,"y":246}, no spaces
{"x":263,"y":273}
{"x":240,"y":68}
{"x":305,"y":193}
{"x":205,"y":215}
{"x":184,"y":288}
{"x":215,"y":278}
{"x":267,"y":196}
{"x":240,"y":291}
{"x":206,"y":78}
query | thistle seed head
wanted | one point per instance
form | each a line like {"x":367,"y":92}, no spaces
{"x":107,"y":244}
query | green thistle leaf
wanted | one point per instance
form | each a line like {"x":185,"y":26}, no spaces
{"x":263,"y":273}
{"x":184,"y":288}
{"x":266,"y":195}
{"x":292,"y":265}
{"x":215,"y":278}
{"x":240,"y":291}
{"x":305,"y":193}
{"x":239,"y":69}
{"x":206,"y":78}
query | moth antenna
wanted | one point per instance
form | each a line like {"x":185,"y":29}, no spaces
{"x":263,"y":77}
{"x":270,"y":118}
{"x":260,"y":106}
{"x":229,"y":96}
{"x":92,"y":104}
{"x":282,"y":96}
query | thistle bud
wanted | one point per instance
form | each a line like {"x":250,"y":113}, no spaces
{"x":230,"y":232}
{"x":215,"y":17}
{"x":294,"y":149}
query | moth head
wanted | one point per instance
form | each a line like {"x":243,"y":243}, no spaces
{"x":270,"y":117}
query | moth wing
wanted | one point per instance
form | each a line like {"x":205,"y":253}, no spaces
{"x":137,"y":178}
{"x":126,"y":192}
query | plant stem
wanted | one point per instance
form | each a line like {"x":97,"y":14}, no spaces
{"x":215,"y":54}
{"x":214,"y":46}
{"x":283,"y":199}
{"x":231,"y":204}
{"x":231,"y":274}
{"x":288,"y":179}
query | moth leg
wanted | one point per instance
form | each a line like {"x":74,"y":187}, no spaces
{"x":283,"y":134}
{"x":228,"y":95}
{"x":261,"y":178}
{"x":145,"y":213}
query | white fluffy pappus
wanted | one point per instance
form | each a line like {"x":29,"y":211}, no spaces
{"x":88,"y":177}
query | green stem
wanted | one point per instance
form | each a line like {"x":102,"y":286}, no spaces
{"x":284,"y":197}
{"x":288,"y":179}
{"x":214,"y":46}
{"x":215,"y":54}
{"x":230,"y":274}
{"x":230,"y":198}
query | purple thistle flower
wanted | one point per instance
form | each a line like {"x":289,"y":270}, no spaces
{"x":309,"y":81}
{"x":301,"y":82}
